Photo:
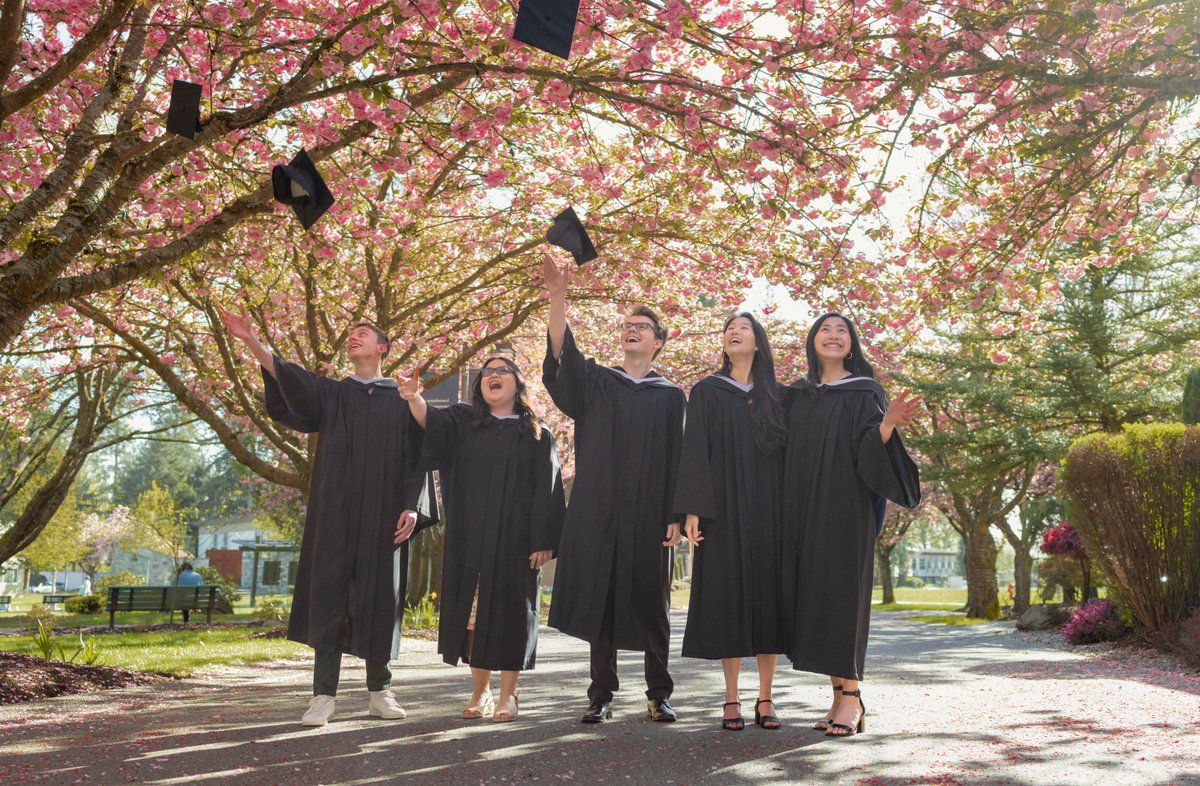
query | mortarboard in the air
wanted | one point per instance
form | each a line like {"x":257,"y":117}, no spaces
{"x":299,"y":184}
{"x":183,"y":115}
{"x":548,"y":25}
{"x":568,"y":232}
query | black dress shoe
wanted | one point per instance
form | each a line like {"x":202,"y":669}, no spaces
{"x":597,"y":711}
{"x":660,"y":710}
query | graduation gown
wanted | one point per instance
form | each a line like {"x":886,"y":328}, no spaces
{"x":627,"y":440}
{"x":350,"y":586}
{"x":735,"y":489}
{"x":504,"y":500}
{"x":836,"y":470}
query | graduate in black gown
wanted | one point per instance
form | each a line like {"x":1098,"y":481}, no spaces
{"x":844,"y":458}
{"x":504,"y":510}
{"x":349,"y":594}
{"x":612,"y":581}
{"x":729,"y":490}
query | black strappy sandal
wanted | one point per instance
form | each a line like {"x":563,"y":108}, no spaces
{"x":766,"y":721}
{"x":823,"y":725}
{"x":732,"y":724}
{"x":849,"y":731}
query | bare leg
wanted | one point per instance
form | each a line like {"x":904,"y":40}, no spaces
{"x":506,"y":707}
{"x":847,"y":710}
{"x":766,"y":680}
{"x":481,"y":694}
{"x":732,"y":667}
{"x":823,"y":724}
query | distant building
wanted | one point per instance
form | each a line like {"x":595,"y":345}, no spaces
{"x":247,"y":553}
{"x":935,"y":566}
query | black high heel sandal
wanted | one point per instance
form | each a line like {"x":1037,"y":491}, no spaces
{"x":732,"y":724}
{"x":848,"y":731}
{"x":823,"y":725}
{"x":766,"y":721}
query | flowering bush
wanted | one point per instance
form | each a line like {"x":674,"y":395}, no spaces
{"x":1062,"y":540}
{"x":1096,"y":620}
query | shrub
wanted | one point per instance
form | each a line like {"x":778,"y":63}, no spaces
{"x":227,"y":591}
{"x":422,"y":615}
{"x":915,"y":582}
{"x":122,"y":578}
{"x":1184,"y":638}
{"x":84,"y":604}
{"x":1135,"y":499}
{"x":1096,"y":620}
{"x":37,"y":618}
{"x":272,"y":610}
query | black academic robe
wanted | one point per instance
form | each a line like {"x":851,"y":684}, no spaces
{"x":504,"y":500}
{"x":734,"y":487}
{"x":350,"y":587}
{"x":627,"y":439}
{"x":837,"y":467}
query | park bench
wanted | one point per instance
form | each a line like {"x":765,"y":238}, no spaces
{"x":54,"y":601}
{"x":198,"y":598}
{"x":5,"y":602}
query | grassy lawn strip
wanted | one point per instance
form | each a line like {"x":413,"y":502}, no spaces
{"x":914,"y":606}
{"x":947,"y":619}
{"x":178,"y":653}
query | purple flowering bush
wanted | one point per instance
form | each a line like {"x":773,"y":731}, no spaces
{"x":1094,"y":621}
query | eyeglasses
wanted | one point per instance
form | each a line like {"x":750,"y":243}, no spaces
{"x":495,"y":371}
{"x":640,"y":327}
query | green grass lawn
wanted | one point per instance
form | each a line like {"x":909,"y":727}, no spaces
{"x":23,"y":603}
{"x":179,"y":653}
{"x":936,"y":597}
{"x":947,"y":619}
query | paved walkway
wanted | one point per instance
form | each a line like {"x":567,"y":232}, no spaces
{"x":953,"y":706}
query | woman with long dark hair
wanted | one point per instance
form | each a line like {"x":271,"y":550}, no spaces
{"x":844,"y":459}
{"x":728,"y":489}
{"x":504,"y":511}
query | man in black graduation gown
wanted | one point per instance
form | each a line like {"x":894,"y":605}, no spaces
{"x":612,"y":581}
{"x":349,"y":595}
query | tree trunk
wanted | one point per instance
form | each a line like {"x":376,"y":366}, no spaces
{"x":883,"y":555}
{"x":1022,"y":573}
{"x":980,"y":558}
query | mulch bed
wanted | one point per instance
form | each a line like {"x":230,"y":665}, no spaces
{"x":27,"y":678}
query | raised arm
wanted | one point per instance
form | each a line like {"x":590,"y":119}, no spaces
{"x":240,"y":327}
{"x":410,"y":391}
{"x":556,"y":280}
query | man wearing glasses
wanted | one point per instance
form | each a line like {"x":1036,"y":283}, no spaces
{"x":612,"y":582}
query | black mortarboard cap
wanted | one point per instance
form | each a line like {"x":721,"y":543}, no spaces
{"x":568,"y":232}
{"x":183,"y":115}
{"x":548,"y":25}
{"x":299,"y":184}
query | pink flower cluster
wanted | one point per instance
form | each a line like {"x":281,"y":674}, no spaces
{"x":1097,"y":620}
{"x":1062,"y":540}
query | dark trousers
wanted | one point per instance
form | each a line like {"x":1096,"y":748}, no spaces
{"x":604,"y":665}
{"x":327,"y":669}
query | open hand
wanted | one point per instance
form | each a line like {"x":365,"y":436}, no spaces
{"x":410,"y":387}
{"x":901,"y":410}
{"x":238,"y":325}
{"x":554,"y":277}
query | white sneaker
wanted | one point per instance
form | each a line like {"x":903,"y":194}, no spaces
{"x":383,"y":705}
{"x":320,"y":710}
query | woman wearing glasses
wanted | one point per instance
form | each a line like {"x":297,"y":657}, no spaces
{"x":504,"y":511}
{"x":729,"y":489}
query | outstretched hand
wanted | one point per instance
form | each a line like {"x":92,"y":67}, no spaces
{"x":901,"y":410}
{"x":238,"y":325}
{"x":410,"y":387}
{"x":554,"y":277}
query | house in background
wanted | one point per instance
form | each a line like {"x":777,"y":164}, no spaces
{"x":247,"y":553}
{"x":938,"y":567}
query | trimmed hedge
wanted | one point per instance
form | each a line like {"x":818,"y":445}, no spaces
{"x":1135,"y":499}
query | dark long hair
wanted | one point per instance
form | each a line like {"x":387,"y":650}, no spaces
{"x":766,"y":411}
{"x":856,"y":364}
{"x":521,"y":407}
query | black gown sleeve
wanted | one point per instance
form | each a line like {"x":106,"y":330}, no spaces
{"x":293,"y":396}
{"x":419,"y":489}
{"x":886,"y":469}
{"x":549,"y":502}
{"x":570,"y":379}
{"x":674,"y":453}
{"x":694,"y":483}
{"x":434,"y":446}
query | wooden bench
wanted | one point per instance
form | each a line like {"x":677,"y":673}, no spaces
{"x":53,"y":601}
{"x":5,"y":602}
{"x":202,"y":597}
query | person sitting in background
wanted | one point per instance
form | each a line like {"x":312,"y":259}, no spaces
{"x":188,"y":578}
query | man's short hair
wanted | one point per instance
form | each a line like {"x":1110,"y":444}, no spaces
{"x":379,"y":334}
{"x":185,"y":566}
{"x":660,"y":332}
